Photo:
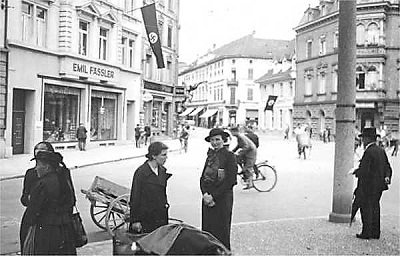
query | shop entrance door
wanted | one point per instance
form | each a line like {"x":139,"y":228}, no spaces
{"x":18,"y":122}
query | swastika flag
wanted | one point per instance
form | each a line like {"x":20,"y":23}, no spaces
{"x":270,"y":102}
{"x":150,"y":23}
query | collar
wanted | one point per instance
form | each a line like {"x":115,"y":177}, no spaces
{"x":370,"y":144}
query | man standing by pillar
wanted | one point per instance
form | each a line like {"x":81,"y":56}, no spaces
{"x":374,"y":174}
{"x":81,"y":135}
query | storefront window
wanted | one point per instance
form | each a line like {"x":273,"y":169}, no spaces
{"x":103,"y":116}
{"x":60,"y":113}
{"x":156,"y":114}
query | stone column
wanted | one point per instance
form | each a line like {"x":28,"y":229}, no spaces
{"x":345,"y":114}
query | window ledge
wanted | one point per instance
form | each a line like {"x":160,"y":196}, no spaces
{"x":321,"y":94}
{"x":307,"y":95}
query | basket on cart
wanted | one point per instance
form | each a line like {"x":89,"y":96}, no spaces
{"x":109,"y":204}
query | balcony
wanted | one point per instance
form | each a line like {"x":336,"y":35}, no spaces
{"x":370,"y":94}
{"x":232,"y":104}
{"x":371,"y":50}
{"x":232,"y":82}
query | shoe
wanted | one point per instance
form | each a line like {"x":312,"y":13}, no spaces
{"x":247,"y":187}
{"x":362,"y":236}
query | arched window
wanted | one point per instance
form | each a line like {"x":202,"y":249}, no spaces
{"x":360,"y":34}
{"x":360,"y":78}
{"x":372,"y":79}
{"x":321,"y":120}
{"x":308,"y":117}
{"x":373,"y":33}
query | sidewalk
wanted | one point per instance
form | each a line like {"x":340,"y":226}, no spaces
{"x":307,"y":236}
{"x":16,"y":166}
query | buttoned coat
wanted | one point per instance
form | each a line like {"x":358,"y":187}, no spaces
{"x":148,"y":199}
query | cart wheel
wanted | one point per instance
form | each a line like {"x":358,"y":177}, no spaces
{"x":117,"y":215}
{"x":98,"y":213}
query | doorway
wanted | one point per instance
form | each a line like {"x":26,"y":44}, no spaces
{"x":18,"y":122}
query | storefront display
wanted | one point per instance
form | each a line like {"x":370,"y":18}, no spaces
{"x":60,"y":113}
{"x":103,"y":116}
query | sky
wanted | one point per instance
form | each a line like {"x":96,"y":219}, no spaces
{"x":208,"y":22}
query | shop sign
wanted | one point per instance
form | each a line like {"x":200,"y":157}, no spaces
{"x":89,"y":70}
{"x":158,"y":87}
{"x":180,"y":90}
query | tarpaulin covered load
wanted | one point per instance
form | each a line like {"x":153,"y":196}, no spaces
{"x":172,"y":239}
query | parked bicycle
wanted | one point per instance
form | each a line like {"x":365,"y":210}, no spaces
{"x":264,"y":176}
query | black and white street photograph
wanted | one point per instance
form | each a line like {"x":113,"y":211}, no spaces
{"x":199,"y":127}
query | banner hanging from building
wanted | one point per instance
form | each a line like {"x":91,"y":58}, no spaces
{"x":150,"y":23}
{"x":270,"y":102}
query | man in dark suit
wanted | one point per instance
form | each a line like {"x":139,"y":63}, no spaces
{"x":374,"y":174}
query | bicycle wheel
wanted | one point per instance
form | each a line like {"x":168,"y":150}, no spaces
{"x":264,"y":178}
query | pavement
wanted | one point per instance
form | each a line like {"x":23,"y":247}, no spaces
{"x":294,"y":236}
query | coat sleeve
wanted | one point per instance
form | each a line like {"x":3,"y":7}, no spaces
{"x":231,"y":168}
{"x":388,"y":168}
{"x":364,"y":168}
{"x":136,"y":204}
{"x":27,"y":186}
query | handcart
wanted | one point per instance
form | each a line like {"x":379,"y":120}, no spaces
{"x":109,"y":204}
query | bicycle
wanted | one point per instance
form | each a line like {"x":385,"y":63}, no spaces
{"x":264,"y":176}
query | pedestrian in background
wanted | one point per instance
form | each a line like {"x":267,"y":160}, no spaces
{"x":216,"y":183}
{"x":374,"y":174}
{"x":49,"y":209}
{"x":148,"y":200}
{"x":252,"y":136}
{"x":30,"y":180}
{"x":81,"y":135}
{"x":287,"y":129}
{"x":137,"y":135}
{"x":184,"y":137}
{"x":147,"y":133}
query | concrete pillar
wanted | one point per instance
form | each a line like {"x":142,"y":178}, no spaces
{"x":345,"y":114}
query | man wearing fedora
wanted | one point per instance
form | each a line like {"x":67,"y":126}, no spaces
{"x":374,"y":174}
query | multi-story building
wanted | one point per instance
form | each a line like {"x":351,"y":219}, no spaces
{"x":377,"y":70}
{"x":159,"y":85}
{"x":72,"y":62}
{"x":223,"y":81}
{"x":280,"y":82}
{"x":3,"y":74}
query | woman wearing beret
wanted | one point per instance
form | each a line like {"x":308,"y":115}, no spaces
{"x":216,"y":184}
{"x":49,"y":209}
{"x":148,"y":200}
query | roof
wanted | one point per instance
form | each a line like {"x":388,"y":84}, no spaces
{"x":248,"y":47}
{"x":275,"y":77}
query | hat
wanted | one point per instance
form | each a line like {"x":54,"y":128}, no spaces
{"x":53,"y":157}
{"x":368,"y":132}
{"x":215,"y":132}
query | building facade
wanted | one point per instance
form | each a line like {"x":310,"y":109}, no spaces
{"x":281,"y":82}
{"x":222,"y":82}
{"x":160,"y":85}
{"x":73,"y":62}
{"x":377,"y":71}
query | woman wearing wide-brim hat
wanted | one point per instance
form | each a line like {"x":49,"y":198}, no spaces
{"x":216,"y":183}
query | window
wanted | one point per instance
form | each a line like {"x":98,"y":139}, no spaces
{"x":103,"y":116}
{"x":334,"y":80}
{"x":321,"y":83}
{"x":372,"y":77}
{"x":308,"y":86}
{"x":34,"y":30}
{"x":309,"y":49}
{"x":83,"y":37}
{"x":360,"y":78}
{"x":233,"y":74}
{"x":250,"y":74}
{"x":129,"y":6}
{"x":322,"y":45}
{"x":373,"y":34}
{"x":171,"y":5}
{"x":291,"y":89}
{"x":123,"y":51}
{"x":169,"y":41}
{"x":233,"y":61}
{"x":103,"y":44}
{"x":41,"y":26}
{"x":131,"y":53}
{"x":233,"y":96}
{"x":360,"y":34}
{"x":160,"y":32}
{"x":27,"y":29}
{"x":249,"y":93}
{"x":336,"y":40}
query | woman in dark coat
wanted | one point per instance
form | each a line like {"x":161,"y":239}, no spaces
{"x":30,"y":180}
{"x":216,"y":184}
{"x":148,"y":201}
{"x":49,"y":210}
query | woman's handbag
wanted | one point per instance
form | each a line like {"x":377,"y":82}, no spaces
{"x":79,"y":230}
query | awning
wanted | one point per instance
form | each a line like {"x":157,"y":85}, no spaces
{"x":186,"y":112}
{"x":209,"y":113}
{"x":196,"y":111}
